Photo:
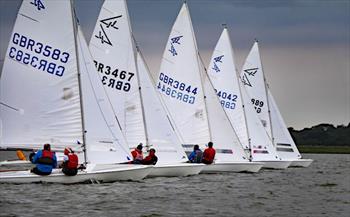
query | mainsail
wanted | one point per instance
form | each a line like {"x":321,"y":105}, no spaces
{"x":179,"y":82}
{"x":39,"y":94}
{"x":260,"y":96}
{"x":252,"y":76}
{"x":144,"y":112}
{"x":114,"y":55}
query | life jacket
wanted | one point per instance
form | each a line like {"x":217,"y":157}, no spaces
{"x":46,"y":157}
{"x":209,"y":154}
{"x":72,"y":161}
{"x":137,"y":155}
{"x":198,"y":157}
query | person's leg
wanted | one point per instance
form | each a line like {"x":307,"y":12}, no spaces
{"x":38,"y":172}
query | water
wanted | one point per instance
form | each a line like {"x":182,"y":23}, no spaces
{"x":323,"y":189}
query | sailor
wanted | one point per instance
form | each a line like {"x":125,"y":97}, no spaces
{"x":151,"y":159}
{"x":209,"y":154}
{"x":70,"y":162}
{"x":45,"y":161}
{"x":137,"y":154}
{"x":196,"y":155}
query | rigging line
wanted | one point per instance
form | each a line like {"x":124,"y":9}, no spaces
{"x":8,"y":106}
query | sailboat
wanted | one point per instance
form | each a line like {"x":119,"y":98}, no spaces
{"x":234,"y":99}
{"x":192,"y":103}
{"x":253,"y":79}
{"x":135,"y":99}
{"x":49,"y":94}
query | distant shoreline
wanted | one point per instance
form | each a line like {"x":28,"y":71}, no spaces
{"x":324,"y":149}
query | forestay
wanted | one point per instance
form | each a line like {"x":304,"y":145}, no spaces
{"x":114,"y":54}
{"x":179,"y":82}
{"x":252,"y":76}
{"x":285,"y":145}
{"x":160,"y":133}
{"x":105,"y":142}
{"x":39,"y":101}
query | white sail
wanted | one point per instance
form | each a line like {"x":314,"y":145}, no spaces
{"x":222,"y":73}
{"x":179,"y":82}
{"x":285,"y":145}
{"x":39,"y":94}
{"x":252,"y":76}
{"x":227,"y":144}
{"x":262,"y":148}
{"x":105,"y":142}
{"x":161,"y":134}
{"x":114,"y":55}
{"x":236,"y":102}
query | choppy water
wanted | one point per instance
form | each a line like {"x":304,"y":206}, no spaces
{"x":323,"y":189}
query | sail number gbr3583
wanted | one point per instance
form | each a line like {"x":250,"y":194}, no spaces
{"x":114,"y":78}
{"x":37,"y":54}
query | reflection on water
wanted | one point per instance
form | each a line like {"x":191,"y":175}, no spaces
{"x":323,"y":189}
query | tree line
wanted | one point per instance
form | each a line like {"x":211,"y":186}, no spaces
{"x":322,"y":135}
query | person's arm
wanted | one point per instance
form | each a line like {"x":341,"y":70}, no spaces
{"x":37,"y":156}
{"x":54,"y":160}
{"x":192,"y":155}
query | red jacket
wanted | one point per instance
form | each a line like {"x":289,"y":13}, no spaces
{"x":209,"y":154}
{"x":137,"y":154}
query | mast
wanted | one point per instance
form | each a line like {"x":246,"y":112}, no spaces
{"x":75,"y":29}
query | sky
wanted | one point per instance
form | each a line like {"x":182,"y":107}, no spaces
{"x":304,"y":44}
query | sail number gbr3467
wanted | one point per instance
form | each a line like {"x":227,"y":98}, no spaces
{"x":115,"y":78}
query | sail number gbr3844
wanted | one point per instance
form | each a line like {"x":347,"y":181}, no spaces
{"x":176,"y":89}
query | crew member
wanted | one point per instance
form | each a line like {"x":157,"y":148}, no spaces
{"x":151,"y":159}
{"x":209,"y":154}
{"x":137,"y":154}
{"x":196,"y":155}
{"x":70,"y":162}
{"x":45,"y":161}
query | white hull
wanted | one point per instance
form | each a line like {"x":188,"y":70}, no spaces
{"x":172,"y":170}
{"x":233,"y":167}
{"x":301,"y":163}
{"x":279,"y":165}
{"x":14,"y":163}
{"x":116,"y":173}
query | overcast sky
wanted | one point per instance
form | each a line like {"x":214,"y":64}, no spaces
{"x":305,"y":45}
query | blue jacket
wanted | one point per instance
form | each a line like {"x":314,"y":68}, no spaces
{"x":44,"y":167}
{"x":196,"y":156}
